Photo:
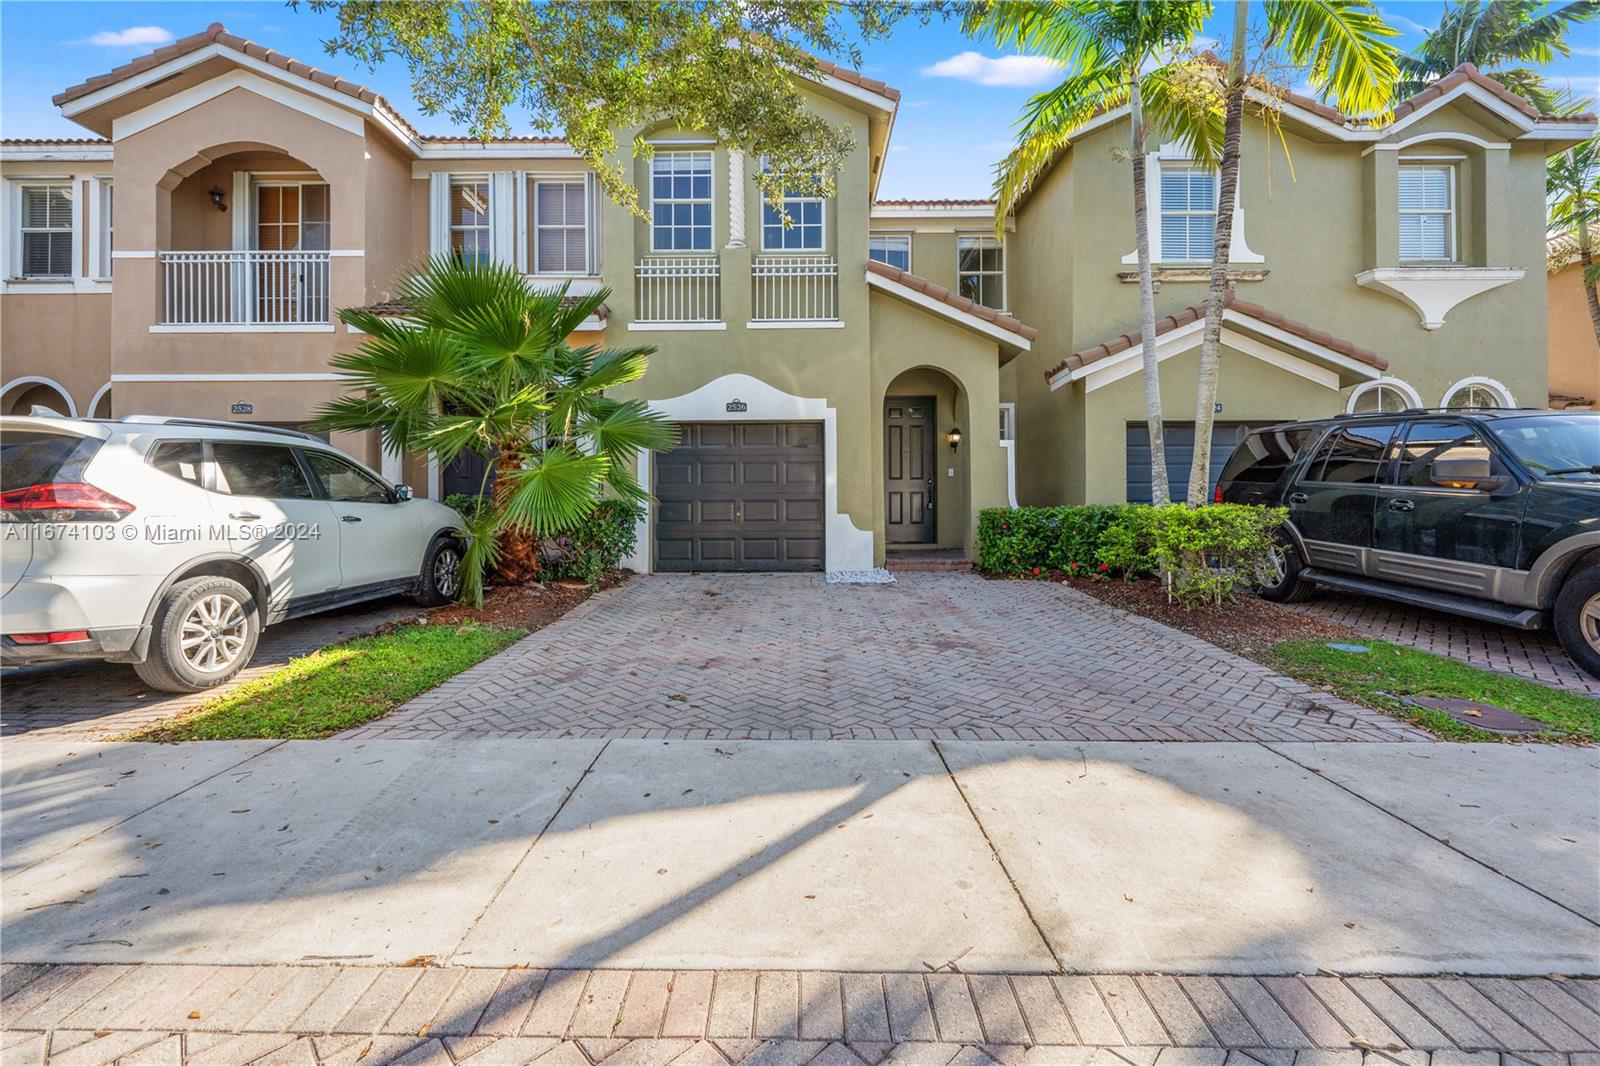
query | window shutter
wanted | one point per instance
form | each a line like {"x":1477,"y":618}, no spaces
{"x":591,"y":188}
{"x":439,"y":214}
{"x":503,"y":217}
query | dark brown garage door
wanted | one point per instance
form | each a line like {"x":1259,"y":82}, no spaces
{"x":741,"y":496}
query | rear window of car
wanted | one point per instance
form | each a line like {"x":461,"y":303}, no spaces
{"x":182,"y":459}
{"x":259,"y":470}
{"x":1352,"y":456}
{"x":1264,"y":455}
{"x":33,"y":458}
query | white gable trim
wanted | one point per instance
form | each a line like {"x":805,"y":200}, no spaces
{"x":194,"y":96}
{"x":944,"y":310}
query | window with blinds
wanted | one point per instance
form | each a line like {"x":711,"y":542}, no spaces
{"x":1188,"y":213}
{"x":46,"y":231}
{"x":896,"y":251}
{"x":560,"y":228}
{"x":1427,"y":213}
{"x":469,"y":220}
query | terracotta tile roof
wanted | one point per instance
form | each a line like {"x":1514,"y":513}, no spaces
{"x":1194,"y":313}
{"x":74,"y":142}
{"x":933,"y":203}
{"x":943,"y":295}
{"x":1561,"y":401}
{"x":845,"y":74}
{"x":400,"y":309}
{"x":1561,"y":249}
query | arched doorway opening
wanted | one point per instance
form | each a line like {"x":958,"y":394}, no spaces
{"x":926,"y":443}
{"x":22,"y":395}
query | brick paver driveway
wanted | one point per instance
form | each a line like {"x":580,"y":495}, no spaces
{"x":932,"y":655}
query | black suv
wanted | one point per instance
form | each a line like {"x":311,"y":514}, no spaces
{"x":1493,"y":514}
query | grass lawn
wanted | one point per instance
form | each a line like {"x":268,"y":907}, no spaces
{"x":1388,"y":672}
{"x":339,"y":686}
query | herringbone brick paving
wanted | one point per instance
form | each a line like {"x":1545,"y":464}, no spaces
{"x":934,"y":655}
{"x":78,"y":1015}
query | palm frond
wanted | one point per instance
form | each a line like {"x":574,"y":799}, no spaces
{"x":1185,"y":100}
{"x":1344,"y":44}
{"x":1052,"y":118}
{"x":553,"y":491}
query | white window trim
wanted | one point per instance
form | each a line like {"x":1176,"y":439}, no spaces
{"x":1004,"y":271}
{"x":102,"y":215}
{"x":1413,"y":397}
{"x":1496,"y":387}
{"x":1009,"y":411}
{"x":822,"y":226}
{"x":711,"y":200}
{"x":534,"y":182}
{"x":880,"y":236}
{"x":1452,"y":252}
{"x":14,"y":267}
{"x":1239,"y":253}
{"x":450,"y":227}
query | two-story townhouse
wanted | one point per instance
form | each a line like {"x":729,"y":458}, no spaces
{"x":193,"y":260}
{"x":1379,"y":266}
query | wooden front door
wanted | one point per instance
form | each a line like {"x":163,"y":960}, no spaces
{"x":909,"y":475}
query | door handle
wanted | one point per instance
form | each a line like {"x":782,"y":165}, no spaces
{"x":244,"y":516}
{"x":1402,"y":505}
{"x":1298,"y":498}
{"x":349,"y":518}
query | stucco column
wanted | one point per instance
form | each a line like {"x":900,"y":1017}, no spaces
{"x":1381,"y":227}
{"x":735,"y":198}
{"x":1492,"y":219}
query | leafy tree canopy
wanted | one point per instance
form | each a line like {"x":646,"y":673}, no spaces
{"x":1507,"y":40}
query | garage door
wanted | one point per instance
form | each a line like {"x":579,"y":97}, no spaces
{"x":741,"y":496}
{"x":1180,"y":454}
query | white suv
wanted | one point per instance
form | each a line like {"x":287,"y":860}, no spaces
{"x":168,"y":543}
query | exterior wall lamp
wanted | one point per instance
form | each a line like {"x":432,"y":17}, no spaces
{"x":954,"y":437}
{"x":216,"y":199}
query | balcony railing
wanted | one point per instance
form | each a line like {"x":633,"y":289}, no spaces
{"x":795,"y":288}
{"x":244,"y":288}
{"x":679,"y":288}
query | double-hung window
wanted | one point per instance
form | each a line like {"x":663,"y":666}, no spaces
{"x":1427,"y":213}
{"x":895,"y":251}
{"x":804,"y":231}
{"x":1188,"y":213}
{"x":560,"y":228}
{"x":469,"y":219}
{"x":680,"y":202}
{"x":46,"y":231}
{"x":981,"y":271}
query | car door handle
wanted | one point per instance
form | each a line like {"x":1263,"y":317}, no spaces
{"x":1298,"y":498}
{"x":349,"y":518}
{"x":244,"y":516}
{"x":1402,"y":505}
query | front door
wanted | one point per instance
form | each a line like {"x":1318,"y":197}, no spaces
{"x":908,"y":472}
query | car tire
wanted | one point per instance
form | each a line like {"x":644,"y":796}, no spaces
{"x":440,"y":580}
{"x":1577,"y":618}
{"x":1289,"y":587}
{"x":219,"y":621}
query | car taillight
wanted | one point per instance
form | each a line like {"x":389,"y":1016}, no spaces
{"x":1216,"y":497}
{"x":63,"y":501}
{"x":65,"y":636}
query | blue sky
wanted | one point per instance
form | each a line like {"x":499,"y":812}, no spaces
{"x":960,"y":98}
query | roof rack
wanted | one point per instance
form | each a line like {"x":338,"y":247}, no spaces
{"x":217,"y":423}
{"x":1425,"y":411}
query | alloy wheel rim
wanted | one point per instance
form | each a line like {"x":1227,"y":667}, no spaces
{"x":1278,"y":560}
{"x":1589,"y":621}
{"x":446,"y":568}
{"x":214,"y":633}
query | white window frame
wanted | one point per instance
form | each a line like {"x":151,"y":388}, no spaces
{"x":710,"y":200}
{"x":18,"y":260}
{"x":1008,"y":422}
{"x":821,"y":227}
{"x":586,"y":226}
{"x":486,"y":227}
{"x":1240,"y":254}
{"x":1163,"y":212}
{"x":1482,"y":382}
{"x":1002,"y":273}
{"x":1412,"y":397}
{"x":1451,"y":236}
{"x":102,"y":233}
{"x":906,"y":237}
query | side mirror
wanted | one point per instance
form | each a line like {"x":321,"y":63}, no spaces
{"x":402,"y":493}
{"x":1472,"y":472}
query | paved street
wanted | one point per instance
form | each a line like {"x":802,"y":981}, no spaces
{"x":950,"y":656}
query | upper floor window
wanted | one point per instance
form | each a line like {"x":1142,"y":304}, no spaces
{"x":469,"y":219}
{"x":1427,"y":213}
{"x":46,"y":231}
{"x":980,"y":271}
{"x":896,"y":251}
{"x":804,"y":231}
{"x":1188,"y":213}
{"x":680,"y":202}
{"x":560,"y":228}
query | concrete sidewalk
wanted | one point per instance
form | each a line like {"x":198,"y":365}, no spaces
{"x":873,"y":856}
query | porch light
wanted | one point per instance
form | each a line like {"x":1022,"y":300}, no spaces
{"x":954,"y":437}
{"x":217,"y":200}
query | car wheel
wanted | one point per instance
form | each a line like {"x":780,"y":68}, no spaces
{"x":1282,"y":583}
{"x":440,"y":580}
{"x":1577,"y":618}
{"x":205,"y":632}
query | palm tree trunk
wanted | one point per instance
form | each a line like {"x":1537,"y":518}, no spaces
{"x":519,"y":548}
{"x":1205,"y":405}
{"x":1585,"y":261}
{"x":1160,"y":492}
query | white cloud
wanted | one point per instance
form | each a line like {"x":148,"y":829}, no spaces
{"x":1400,"y":22}
{"x":1019,"y":72}
{"x":1579,"y":50}
{"x":133,"y":35}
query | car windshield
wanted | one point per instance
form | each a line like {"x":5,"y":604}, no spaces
{"x":1554,"y":445}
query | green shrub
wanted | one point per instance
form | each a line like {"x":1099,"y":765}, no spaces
{"x":1127,"y":547}
{"x":597,"y":545}
{"x":1203,"y":553}
{"x":466,"y":504}
{"x":1021,"y":540}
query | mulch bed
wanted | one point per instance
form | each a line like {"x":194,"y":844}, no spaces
{"x":1249,"y":626}
{"x":528,"y":607}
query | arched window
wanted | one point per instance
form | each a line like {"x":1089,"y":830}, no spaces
{"x":21,"y":395}
{"x":1478,"y":392}
{"x":1383,"y":395}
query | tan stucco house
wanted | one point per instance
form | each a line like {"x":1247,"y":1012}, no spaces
{"x":864,"y":380}
{"x":1574,"y":352}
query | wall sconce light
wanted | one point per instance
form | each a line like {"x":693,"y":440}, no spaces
{"x":216,"y":199}
{"x":954,"y":437}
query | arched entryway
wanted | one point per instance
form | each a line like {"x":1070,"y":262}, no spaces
{"x":926,"y":471}
{"x":21,"y":395}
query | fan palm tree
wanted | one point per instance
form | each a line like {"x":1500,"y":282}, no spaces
{"x":1344,"y":47}
{"x":482,"y":363}
{"x":1116,"y":53}
{"x":1572,"y":180}
{"x":1506,"y":39}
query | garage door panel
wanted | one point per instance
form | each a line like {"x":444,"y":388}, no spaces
{"x":1225,"y":436}
{"x":741,"y":496}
